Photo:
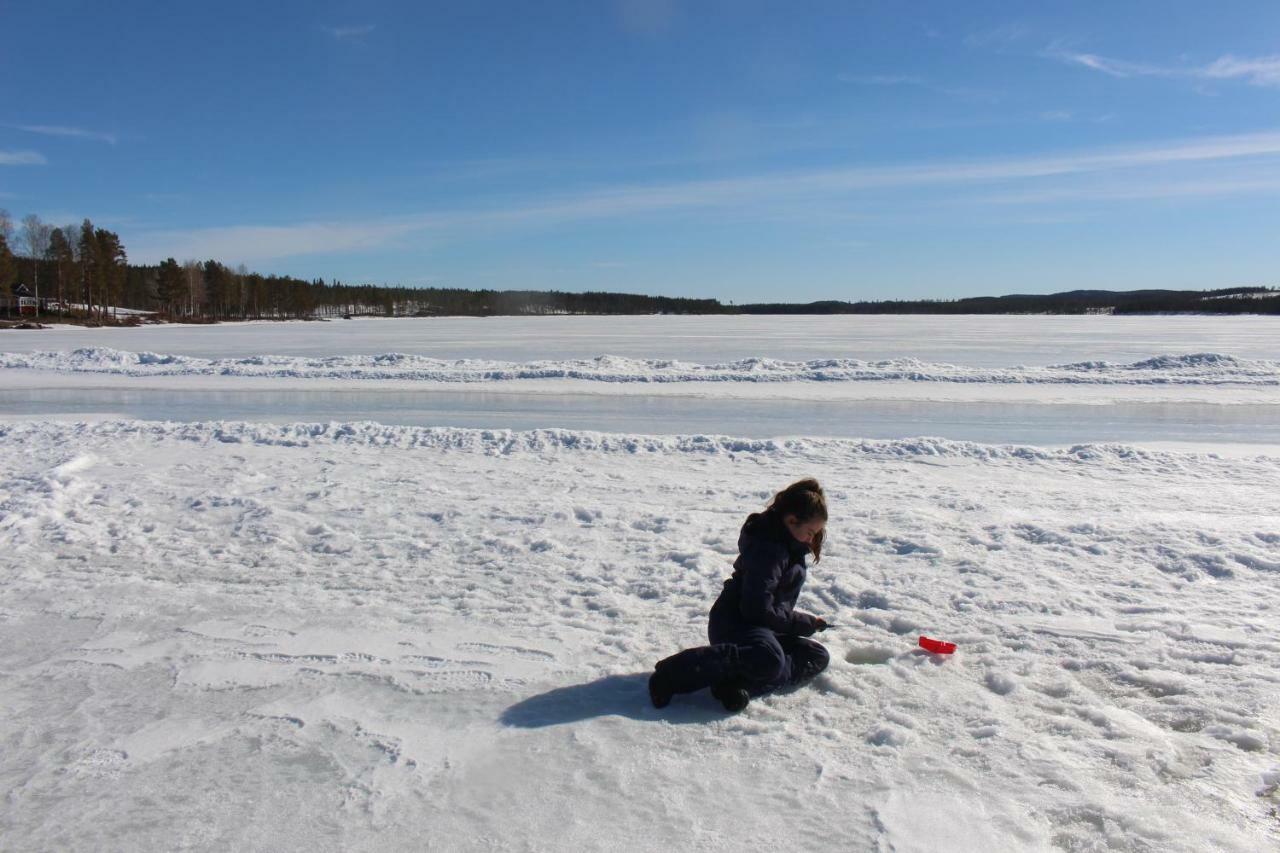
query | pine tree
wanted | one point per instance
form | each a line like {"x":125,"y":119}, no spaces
{"x":8,"y":269}
{"x":171,"y":285}
{"x":64,"y":260}
{"x":215,"y":287}
{"x":87,"y":247}
{"x":111,"y":262}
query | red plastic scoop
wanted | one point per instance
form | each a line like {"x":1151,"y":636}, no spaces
{"x":938,"y":647}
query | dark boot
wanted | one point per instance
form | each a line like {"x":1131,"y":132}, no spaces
{"x":732,"y":695}
{"x":660,"y":691}
{"x":690,"y":670}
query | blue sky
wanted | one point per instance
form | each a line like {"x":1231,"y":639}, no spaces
{"x":739,"y":150}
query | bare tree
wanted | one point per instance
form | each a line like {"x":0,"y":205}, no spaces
{"x":195,"y":282}
{"x":6,"y":225}
{"x":35,"y":234}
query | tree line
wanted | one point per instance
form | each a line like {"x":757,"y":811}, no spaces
{"x":1235,"y":300}
{"x":83,"y":271}
{"x":76,"y":264}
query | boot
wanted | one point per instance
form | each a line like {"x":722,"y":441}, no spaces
{"x":690,"y":670}
{"x":732,"y":695}
{"x":660,"y":691}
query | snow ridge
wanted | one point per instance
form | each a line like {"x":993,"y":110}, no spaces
{"x":1186,"y":369}
{"x":504,"y":442}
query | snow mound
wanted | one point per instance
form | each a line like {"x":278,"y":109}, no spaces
{"x":551,"y":442}
{"x":1190,"y":369}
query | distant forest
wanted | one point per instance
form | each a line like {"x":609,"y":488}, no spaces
{"x":81,"y":272}
{"x":1233,"y":300}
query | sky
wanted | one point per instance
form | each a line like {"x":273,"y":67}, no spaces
{"x":745,"y":151}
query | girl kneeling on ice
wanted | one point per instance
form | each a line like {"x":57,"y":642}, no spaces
{"x":758,"y":638}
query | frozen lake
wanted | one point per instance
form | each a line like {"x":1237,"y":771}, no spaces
{"x":1046,"y":424}
{"x":993,"y":380}
{"x":978,"y":341}
{"x":250,"y":602}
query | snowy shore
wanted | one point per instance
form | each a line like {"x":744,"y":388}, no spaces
{"x":357,"y":636}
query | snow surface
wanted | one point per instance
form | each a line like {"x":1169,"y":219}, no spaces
{"x":1186,"y":369}
{"x":227,"y":635}
{"x":351,"y":635}
{"x":979,"y":341}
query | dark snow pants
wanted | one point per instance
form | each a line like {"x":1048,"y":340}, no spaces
{"x":769,"y":661}
{"x":754,"y":658}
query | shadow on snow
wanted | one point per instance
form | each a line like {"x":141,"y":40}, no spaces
{"x":611,"y":696}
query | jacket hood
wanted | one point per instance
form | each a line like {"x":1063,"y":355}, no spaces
{"x":767,"y":526}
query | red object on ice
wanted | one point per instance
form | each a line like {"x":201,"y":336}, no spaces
{"x":938,"y":647}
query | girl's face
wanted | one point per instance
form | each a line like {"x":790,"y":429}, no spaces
{"x":804,"y":531}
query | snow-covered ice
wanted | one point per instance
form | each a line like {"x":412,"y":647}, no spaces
{"x":358,"y":636}
{"x":979,"y":341}
{"x":1187,"y":369}
{"x":345,"y":634}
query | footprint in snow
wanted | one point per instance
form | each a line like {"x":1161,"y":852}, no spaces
{"x":507,"y":651}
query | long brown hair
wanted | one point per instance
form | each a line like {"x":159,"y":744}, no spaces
{"x":803,"y":499}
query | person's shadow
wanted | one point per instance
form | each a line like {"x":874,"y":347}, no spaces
{"x":612,"y":695}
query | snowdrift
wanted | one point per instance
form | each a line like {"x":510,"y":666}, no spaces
{"x":1208,"y":369}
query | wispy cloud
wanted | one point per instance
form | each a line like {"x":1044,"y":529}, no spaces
{"x":72,"y":132}
{"x":1001,"y":36}
{"x":1258,"y":71}
{"x":910,"y":80}
{"x":743,"y":194}
{"x":1140,"y":190}
{"x":22,"y":158}
{"x":1262,"y":71}
{"x":246,"y":243}
{"x":348,"y":33}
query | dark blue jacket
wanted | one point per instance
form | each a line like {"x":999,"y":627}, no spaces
{"x":766,"y":582}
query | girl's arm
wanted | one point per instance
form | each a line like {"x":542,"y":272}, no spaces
{"x":761,"y":573}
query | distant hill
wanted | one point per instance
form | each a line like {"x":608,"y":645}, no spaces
{"x":1235,"y":300}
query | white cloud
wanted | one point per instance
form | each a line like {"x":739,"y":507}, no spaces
{"x":761,"y":193}
{"x":355,"y":32}
{"x":1261,"y":71}
{"x":1141,"y":190}
{"x":74,"y":132}
{"x":1114,"y":67}
{"x":22,"y":158}
{"x":246,"y":243}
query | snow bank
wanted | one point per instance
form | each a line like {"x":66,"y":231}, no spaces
{"x":1210,"y":369}
{"x":354,"y":636}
